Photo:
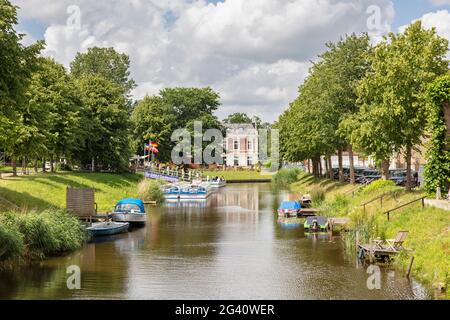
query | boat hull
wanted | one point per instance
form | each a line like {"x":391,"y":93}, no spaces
{"x":107,"y":228}
{"x":132,"y":218}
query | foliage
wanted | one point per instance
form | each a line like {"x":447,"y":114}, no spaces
{"x":107,"y":141}
{"x":392,"y":96}
{"x":377,"y":185}
{"x":437,"y":170}
{"x":150,"y":190}
{"x":35,"y":236}
{"x":317,"y":195}
{"x":105,"y":62}
{"x":284,"y":177}
{"x":238,"y":117}
{"x":156,"y":117}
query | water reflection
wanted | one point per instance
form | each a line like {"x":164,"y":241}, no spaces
{"x":229,"y":247}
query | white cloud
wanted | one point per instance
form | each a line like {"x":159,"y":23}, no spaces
{"x":254,"y":52}
{"x":440,"y":2}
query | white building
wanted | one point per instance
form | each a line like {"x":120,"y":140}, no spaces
{"x":241,"y":145}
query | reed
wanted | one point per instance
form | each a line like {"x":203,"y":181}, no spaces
{"x":285,"y":177}
{"x":150,"y":190}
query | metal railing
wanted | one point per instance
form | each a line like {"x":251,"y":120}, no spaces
{"x":388,"y":213}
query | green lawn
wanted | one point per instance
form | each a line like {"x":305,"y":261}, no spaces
{"x":236,"y":175}
{"x":49,"y":190}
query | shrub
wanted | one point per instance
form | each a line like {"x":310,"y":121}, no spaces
{"x":285,"y":177}
{"x":34,"y":236}
{"x":11,"y":244}
{"x":150,"y":190}
{"x":317,"y":195}
{"x":378,"y":185}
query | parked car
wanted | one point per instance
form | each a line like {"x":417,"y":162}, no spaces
{"x":399,"y":177}
{"x":369,"y":175}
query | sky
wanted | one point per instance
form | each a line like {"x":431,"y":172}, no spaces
{"x":255,"y":53}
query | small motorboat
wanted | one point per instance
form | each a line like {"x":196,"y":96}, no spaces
{"x":172,"y":192}
{"x":289,"y":209}
{"x":217,"y":182}
{"x":131,"y":211}
{"x":195,"y":192}
{"x":109,"y":228}
{"x":306,"y":201}
{"x":316,"y":224}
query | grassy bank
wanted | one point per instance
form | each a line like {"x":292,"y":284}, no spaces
{"x":236,"y":175}
{"x":26,"y":237}
{"x":429,"y":228}
{"x":44,"y":191}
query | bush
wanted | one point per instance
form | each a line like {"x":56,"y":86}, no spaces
{"x":317,"y":195}
{"x":377,"y":185}
{"x":285,"y":177}
{"x":11,"y":244}
{"x":150,"y":190}
{"x":34,"y":236}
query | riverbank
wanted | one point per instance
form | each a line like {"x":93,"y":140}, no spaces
{"x":48,"y":190}
{"x":237,"y":175}
{"x":429,"y":227}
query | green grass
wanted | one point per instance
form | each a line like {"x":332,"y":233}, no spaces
{"x":44,"y":191}
{"x":429,"y":228}
{"x":236,"y":175}
{"x":35,"y":236}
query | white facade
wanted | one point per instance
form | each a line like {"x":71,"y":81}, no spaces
{"x":241,"y":145}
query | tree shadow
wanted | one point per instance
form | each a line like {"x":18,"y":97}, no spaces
{"x":24,"y":200}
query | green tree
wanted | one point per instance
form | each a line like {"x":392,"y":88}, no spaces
{"x":152,"y":119}
{"x":106,"y":124}
{"x":106,"y":62}
{"x":55,"y":107}
{"x":437,"y":170}
{"x":17,"y":62}
{"x":237,"y":117}
{"x":394,"y":93}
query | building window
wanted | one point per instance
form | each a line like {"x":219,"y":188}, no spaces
{"x":236,"y":145}
{"x":249,"y":161}
{"x":249,"y":145}
{"x":236,"y":161}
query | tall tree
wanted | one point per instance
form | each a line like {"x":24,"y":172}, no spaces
{"x":106,"y":62}
{"x":238,"y":117}
{"x":107,"y":123}
{"x":17,"y":62}
{"x":394,"y":91}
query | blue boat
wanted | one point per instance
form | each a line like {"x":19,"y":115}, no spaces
{"x":130,"y":210}
{"x":99,"y":229}
{"x":289,"y":209}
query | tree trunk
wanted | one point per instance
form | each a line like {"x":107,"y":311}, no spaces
{"x":93,"y":165}
{"x":24,"y":165}
{"x":408,"y":168}
{"x":330,"y":165}
{"x":36,"y":165}
{"x":341,"y":168}
{"x":14,"y":166}
{"x":385,"y":164}
{"x":309,"y":165}
{"x":352,"y":165}
{"x":327,"y":168}
{"x":320,"y":167}
{"x":43,"y":165}
{"x":52,"y":165}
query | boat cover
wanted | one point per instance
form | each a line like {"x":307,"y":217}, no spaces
{"x":290,"y":205}
{"x":322,"y":221}
{"x":137,"y":202}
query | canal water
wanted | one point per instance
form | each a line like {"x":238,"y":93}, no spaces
{"x":230,"y":247}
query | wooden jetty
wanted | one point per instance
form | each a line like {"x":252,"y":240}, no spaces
{"x":309,"y":212}
{"x":81,"y":203}
{"x":382,"y":249}
{"x":337,"y":222}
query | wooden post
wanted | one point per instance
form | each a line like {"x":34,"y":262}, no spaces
{"x":410,"y":267}
{"x":388,"y":216}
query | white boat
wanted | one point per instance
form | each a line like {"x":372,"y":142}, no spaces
{"x":196,"y":191}
{"x":131,"y":211}
{"x":172,"y":192}
{"x":218,"y":183}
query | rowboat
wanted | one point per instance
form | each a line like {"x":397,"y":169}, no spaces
{"x":109,"y":228}
{"x":131,"y":211}
{"x":289,"y":209}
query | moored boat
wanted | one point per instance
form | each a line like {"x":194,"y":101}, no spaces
{"x":217,"y":182}
{"x":195,"y":192}
{"x":109,"y":228}
{"x":172,"y":192}
{"x":289,"y":209}
{"x":316,"y":224}
{"x":131,"y":211}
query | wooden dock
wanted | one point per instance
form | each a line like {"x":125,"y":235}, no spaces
{"x":309,"y":212}
{"x":337,"y":222}
{"x":374,"y":252}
